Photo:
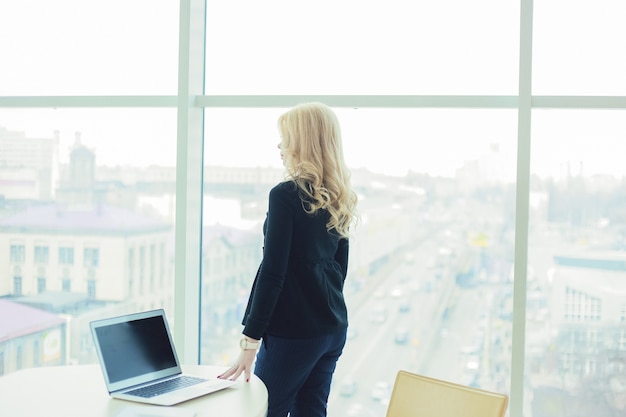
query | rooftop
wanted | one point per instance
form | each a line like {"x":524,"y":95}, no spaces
{"x":100,"y":219}
{"x":32,"y":320}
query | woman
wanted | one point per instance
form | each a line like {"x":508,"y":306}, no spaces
{"x":296,"y":305}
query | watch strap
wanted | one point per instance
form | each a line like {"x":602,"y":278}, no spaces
{"x":245,"y":344}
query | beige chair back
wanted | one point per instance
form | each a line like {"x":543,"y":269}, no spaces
{"x":420,"y":396}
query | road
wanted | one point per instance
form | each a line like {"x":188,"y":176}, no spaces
{"x":415,"y":319}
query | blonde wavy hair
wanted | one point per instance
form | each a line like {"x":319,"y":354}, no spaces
{"x":313,"y":156}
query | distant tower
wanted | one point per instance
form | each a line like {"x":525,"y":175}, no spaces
{"x":82,"y":165}
{"x":77,"y":186}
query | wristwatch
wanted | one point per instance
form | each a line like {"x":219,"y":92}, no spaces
{"x":245,"y":344}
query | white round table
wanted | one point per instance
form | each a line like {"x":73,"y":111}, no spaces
{"x":79,"y":391}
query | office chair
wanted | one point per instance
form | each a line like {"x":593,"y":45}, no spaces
{"x":420,"y":396}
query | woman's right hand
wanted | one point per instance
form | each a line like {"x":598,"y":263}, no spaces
{"x":243,"y":365}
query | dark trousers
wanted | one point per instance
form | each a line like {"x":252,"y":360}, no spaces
{"x":298,"y":373}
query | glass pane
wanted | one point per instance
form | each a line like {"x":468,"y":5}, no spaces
{"x":75,"y":47}
{"x":86,"y":226}
{"x":577,"y":47}
{"x":362,"y":47}
{"x":428,"y":287}
{"x":576,"y":303}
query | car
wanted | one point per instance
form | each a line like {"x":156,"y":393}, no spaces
{"x":381,"y":391}
{"x":401,"y":336}
{"x":359,"y":410}
{"x":473,"y":363}
{"x":352,"y":333}
{"x":404,"y":306}
{"x":396,"y":292}
{"x":347,"y":387}
{"x":379,"y":314}
{"x":470,"y":350}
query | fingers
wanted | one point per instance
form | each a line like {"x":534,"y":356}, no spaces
{"x":236,"y":374}
{"x":243,"y":365}
{"x":233,"y":373}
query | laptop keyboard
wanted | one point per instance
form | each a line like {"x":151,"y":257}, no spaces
{"x":165,"y":386}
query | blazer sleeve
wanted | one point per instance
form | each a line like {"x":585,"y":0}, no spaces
{"x":271,"y":276}
{"x":341,"y":256}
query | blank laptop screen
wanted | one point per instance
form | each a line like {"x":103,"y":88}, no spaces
{"x":135,"y":348}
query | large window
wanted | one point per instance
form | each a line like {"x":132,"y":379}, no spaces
{"x":485,"y":142}
{"x":354,"y":47}
{"x":577,"y":244}
{"x":72,"y":47}
{"x":85,"y":192}
{"x":575,"y":48}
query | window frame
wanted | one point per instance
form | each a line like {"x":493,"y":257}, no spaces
{"x":190,"y":102}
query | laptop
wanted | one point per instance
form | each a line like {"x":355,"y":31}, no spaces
{"x":139,"y":362}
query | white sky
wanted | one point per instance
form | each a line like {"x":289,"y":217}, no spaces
{"x":338,"y":47}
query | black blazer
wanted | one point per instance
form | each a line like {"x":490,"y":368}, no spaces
{"x":298,"y":289}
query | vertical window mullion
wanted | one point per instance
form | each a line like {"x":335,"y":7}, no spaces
{"x":189,"y":172}
{"x":521,"y":210}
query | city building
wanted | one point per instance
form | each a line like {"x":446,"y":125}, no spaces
{"x":28,"y":165}
{"x":30,"y":337}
